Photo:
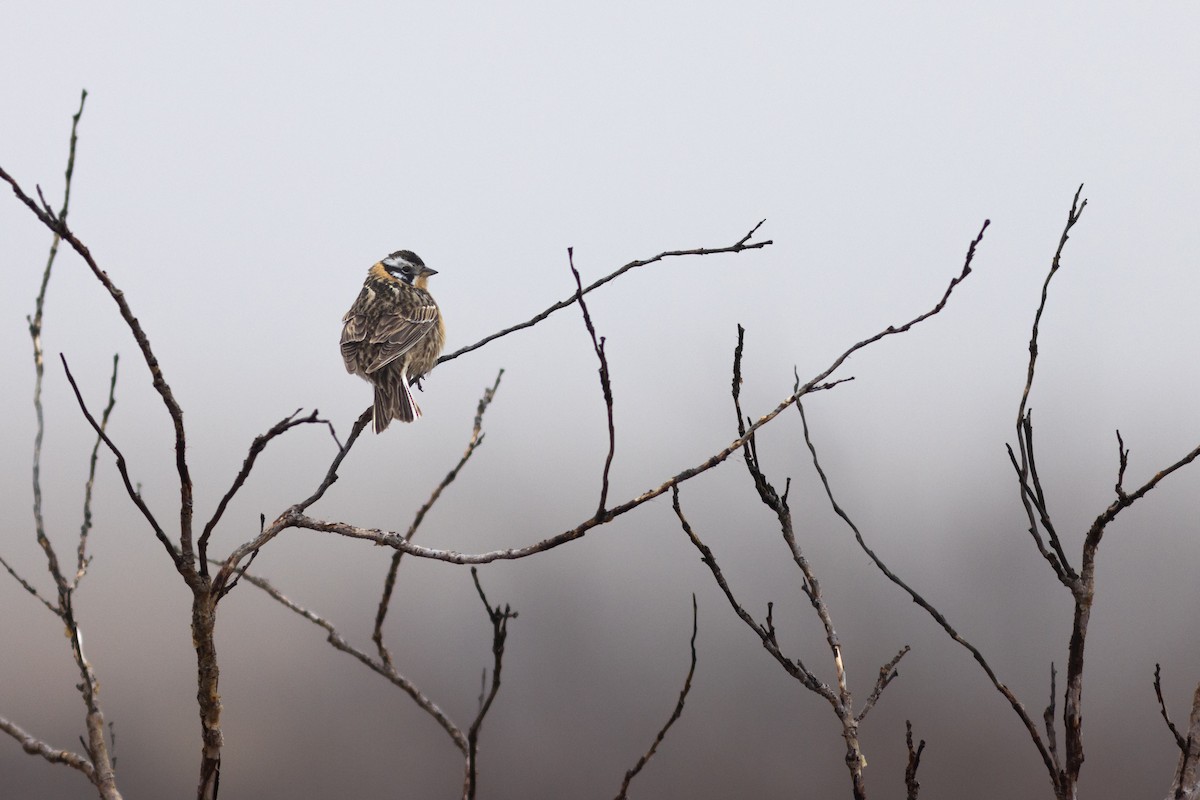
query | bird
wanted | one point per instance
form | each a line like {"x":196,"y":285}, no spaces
{"x":393,"y":334}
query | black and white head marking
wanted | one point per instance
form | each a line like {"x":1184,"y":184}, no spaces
{"x":405,"y":265}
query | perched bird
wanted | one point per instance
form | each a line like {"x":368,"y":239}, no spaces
{"x":393,"y":334}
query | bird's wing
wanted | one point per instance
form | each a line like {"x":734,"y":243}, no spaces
{"x":396,"y":334}
{"x":354,"y":330}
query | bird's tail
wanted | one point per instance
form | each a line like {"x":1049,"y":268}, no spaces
{"x":394,"y":400}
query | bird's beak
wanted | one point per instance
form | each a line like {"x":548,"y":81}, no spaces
{"x":428,"y":271}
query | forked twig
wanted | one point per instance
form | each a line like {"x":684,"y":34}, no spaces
{"x":887,"y":674}
{"x":389,"y":583}
{"x":737,"y":247}
{"x":257,"y":446}
{"x":499,"y":618}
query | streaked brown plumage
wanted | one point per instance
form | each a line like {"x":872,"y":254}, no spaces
{"x":393,"y":334}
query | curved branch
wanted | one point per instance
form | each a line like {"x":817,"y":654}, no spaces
{"x":662,"y":734}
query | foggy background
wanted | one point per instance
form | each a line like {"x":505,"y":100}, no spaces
{"x":239,"y":169}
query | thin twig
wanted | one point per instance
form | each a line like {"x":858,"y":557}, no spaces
{"x":122,"y":468}
{"x":1031,"y":495}
{"x":911,"y":784}
{"x":98,"y":766}
{"x":737,"y":247}
{"x":1122,"y":464}
{"x":29,"y":587}
{"x":887,"y":674}
{"x":499,"y":619}
{"x":843,"y":705}
{"x":81,"y":558}
{"x":1048,"y":715}
{"x":339,"y":643}
{"x":938,"y":617}
{"x":389,"y":583}
{"x":221,"y":582}
{"x":58,"y":225}
{"x":658,"y":739}
{"x":605,"y":383}
{"x":35,"y":335}
{"x":1180,"y":742}
{"x":257,"y":446}
{"x":766,"y":633}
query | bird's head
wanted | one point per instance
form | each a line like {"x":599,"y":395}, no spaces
{"x":407,"y":266}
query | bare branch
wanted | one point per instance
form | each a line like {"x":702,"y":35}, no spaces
{"x":766,"y":633}
{"x":1122,"y":464}
{"x":257,"y":446}
{"x":58,"y":225}
{"x":133,"y":493}
{"x":339,"y":643}
{"x":36,"y":747}
{"x":1047,"y":757}
{"x":1180,"y":742}
{"x":1125,"y":500}
{"x":81,"y":557}
{"x":739,"y":246}
{"x":35,"y":335}
{"x":887,"y":674}
{"x":1186,"y":784}
{"x":843,"y":705}
{"x":1032,"y":496}
{"x":893,"y":329}
{"x":1059,"y":565}
{"x":914,"y":761}
{"x":295,"y":517}
{"x":98,"y":766}
{"x":29,"y":587}
{"x":1072,"y":217}
{"x":605,"y":384}
{"x":221,"y":582}
{"x":390,"y":582}
{"x":687,"y":687}
{"x":499,"y":619}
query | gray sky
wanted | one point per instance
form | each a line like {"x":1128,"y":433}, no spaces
{"x":240,"y":168}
